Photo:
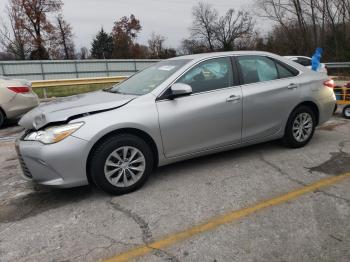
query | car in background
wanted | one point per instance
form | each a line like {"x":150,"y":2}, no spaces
{"x":16,"y":98}
{"x":174,"y":110}
{"x":307,"y":62}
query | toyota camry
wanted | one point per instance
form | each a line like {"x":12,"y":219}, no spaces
{"x":174,"y":110}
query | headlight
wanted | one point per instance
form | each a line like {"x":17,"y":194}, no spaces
{"x":53,"y":134}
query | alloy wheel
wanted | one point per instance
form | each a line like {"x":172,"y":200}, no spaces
{"x":302,"y":127}
{"x":124,"y":166}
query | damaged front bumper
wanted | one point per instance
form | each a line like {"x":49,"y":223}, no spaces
{"x":60,"y":165}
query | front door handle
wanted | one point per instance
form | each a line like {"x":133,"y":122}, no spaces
{"x":292,"y":86}
{"x":233,"y":98}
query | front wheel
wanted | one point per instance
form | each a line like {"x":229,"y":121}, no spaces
{"x":300,"y":127}
{"x":121,"y":164}
{"x":346,"y":112}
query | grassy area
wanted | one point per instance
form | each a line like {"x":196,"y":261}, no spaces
{"x":62,"y":91}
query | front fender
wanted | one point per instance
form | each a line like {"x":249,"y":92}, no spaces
{"x":140,"y":114}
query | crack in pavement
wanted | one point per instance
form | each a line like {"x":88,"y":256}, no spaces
{"x":147,"y":237}
{"x":299,"y":182}
{"x":111,"y":240}
{"x":333,"y":195}
{"x":342,"y":144}
{"x":280,"y":170}
{"x":336,"y":238}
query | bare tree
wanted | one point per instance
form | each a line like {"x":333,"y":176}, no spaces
{"x":14,"y":39}
{"x":303,"y":25}
{"x":84,"y":53}
{"x":203,"y":27}
{"x":155,"y":45}
{"x":30,"y":23}
{"x":191,"y":46}
{"x":64,"y":38}
{"x":232,"y":26}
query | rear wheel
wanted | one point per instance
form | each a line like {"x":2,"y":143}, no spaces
{"x":300,"y":127}
{"x":121,"y":164}
{"x":346,"y":112}
{"x":2,"y":118}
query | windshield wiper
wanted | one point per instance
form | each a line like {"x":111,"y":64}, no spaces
{"x":109,"y":89}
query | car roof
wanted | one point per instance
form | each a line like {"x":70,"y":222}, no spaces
{"x":296,"y":56}
{"x":216,"y":54}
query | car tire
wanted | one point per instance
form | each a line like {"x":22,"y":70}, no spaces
{"x":346,"y":112}
{"x":300,"y":127}
{"x":2,"y":118}
{"x":335,"y":109}
{"x":129,"y":175}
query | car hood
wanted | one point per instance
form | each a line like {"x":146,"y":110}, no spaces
{"x":63,"y":109}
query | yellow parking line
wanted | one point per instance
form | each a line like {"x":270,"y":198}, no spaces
{"x":223,"y":219}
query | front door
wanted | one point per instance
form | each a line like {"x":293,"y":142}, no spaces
{"x":208,"y":118}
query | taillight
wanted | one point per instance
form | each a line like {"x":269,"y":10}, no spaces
{"x":19,"y":89}
{"x":330,"y":83}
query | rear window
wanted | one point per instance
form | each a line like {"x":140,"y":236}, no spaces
{"x":303,"y":61}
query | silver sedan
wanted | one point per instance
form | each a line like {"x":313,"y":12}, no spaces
{"x":174,"y":110}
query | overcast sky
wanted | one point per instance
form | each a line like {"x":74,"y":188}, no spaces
{"x":170,"y":18}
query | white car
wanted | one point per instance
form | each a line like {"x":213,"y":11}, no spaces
{"x":16,"y":98}
{"x":306,"y":61}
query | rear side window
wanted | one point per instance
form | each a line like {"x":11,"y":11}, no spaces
{"x":283,"y":71}
{"x":257,"y":69}
{"x":260,"y":68}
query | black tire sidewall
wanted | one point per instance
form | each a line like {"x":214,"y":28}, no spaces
{"x":104,"y":149}
{"x":288,"y":138}
{"x":2,"y":118}
{"x":335,"y":109}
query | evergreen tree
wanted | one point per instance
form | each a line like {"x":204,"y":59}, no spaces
{"x":102,"y":46}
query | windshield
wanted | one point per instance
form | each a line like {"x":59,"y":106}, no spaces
{"x":148,"y":79}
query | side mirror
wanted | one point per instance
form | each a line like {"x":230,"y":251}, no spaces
{"x":180,"y":89}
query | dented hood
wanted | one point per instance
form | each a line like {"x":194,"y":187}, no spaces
{"x":62,"y":109}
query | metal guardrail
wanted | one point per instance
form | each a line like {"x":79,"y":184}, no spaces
{"x":334,"y":65}
{"x":44,"y":84}
{"x":80,"y":81}
{"x":69,"y":69}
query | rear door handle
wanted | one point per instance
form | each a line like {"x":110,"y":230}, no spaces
{"x":292,"y":86}
{"x":233,"y":98}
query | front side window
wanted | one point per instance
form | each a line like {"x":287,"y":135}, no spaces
{"x":148,"y":79}
{"x":257,"y":69}
{"x":209,"y":75}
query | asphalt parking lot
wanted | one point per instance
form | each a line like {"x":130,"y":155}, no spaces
{"x":85,"y":224}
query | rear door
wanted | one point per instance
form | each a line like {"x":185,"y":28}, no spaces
{"x":270,"y":91}
{"x":208,"y":118}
